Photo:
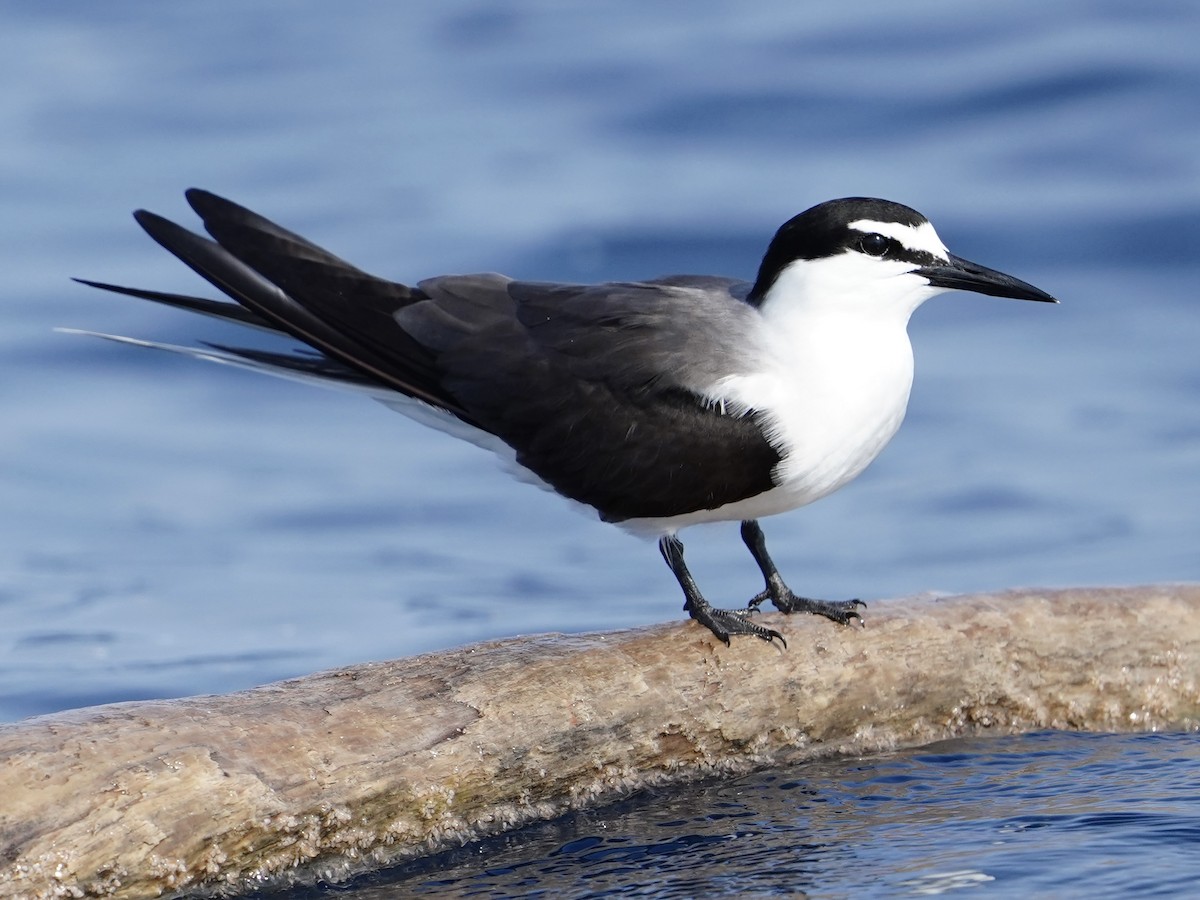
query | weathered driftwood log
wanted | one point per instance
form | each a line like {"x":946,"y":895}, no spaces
{"x":358,"y":767}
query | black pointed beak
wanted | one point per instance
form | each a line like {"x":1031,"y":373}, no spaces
{"x":963,"y":275}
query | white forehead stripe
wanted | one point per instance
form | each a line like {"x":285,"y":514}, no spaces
{"x":921,"y":238}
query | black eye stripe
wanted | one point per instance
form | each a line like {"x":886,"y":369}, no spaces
{"x":877,"y":245}
{"x":881,"y":246}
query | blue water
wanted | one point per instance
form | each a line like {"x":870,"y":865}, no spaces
{"x":1041,"y":815}
{"x":169,"y":528}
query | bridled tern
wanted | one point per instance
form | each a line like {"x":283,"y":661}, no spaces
{"x":660,"y":404}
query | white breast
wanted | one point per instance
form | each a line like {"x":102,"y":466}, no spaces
{"x":830,"y":380}
{"x":832,"y":401}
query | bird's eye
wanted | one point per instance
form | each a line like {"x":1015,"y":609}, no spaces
{"x":873,"y":244}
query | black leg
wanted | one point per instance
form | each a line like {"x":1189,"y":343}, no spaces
{"x":781,"y":595}
{"x":721,"y":622}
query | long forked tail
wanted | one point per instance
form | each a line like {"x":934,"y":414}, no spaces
{"x":303,"y":365}
{"x":218,"y":309}
{"x":285,"y":284}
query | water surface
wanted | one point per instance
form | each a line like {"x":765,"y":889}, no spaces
{"x":1039,"y":815}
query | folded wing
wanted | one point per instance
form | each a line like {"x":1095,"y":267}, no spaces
{"x":597,"y":389}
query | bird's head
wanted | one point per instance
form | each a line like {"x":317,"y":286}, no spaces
{"x":872,"y":256}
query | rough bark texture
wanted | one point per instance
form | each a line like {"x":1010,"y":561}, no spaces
{"x":354,"y":768}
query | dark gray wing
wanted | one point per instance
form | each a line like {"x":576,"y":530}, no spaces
{"x":596,"y":388}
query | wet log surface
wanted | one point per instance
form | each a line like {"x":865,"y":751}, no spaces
{"x":356,"y":768}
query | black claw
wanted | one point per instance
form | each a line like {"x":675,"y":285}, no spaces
{"x":726,"y":622}
{"x":840,"y":611}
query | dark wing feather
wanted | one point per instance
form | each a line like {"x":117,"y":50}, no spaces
{"x":679,"y":332}
{"x":367,"y":340}
{"x":596,"y":388}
